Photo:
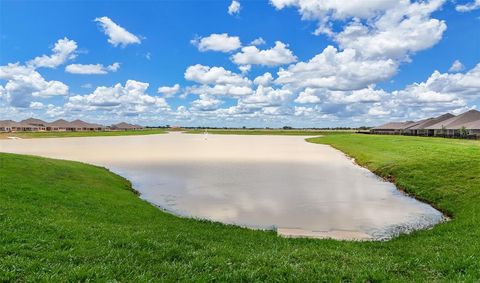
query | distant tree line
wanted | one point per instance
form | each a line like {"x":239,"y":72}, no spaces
{"x":362,"y":128}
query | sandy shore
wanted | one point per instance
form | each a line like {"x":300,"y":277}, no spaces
{"x":267,"y":182}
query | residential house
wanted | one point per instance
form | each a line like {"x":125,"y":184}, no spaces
{"x":455,"y":125}
{"x":80,"y":125}
{"x":125,"y":126}
{"x":392,"y":128}
{"x":420,"y":128}
{"x":39,"y":125}
{"x":60,"y":125}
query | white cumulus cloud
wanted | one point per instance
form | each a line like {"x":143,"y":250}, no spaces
{"x":91,"y":69}
{"x":468,"y":7}
{"x":24,"y":83}
{"x":130,"y":99}
{"x":335,"y":70}
{"x":214,"y":75}
{"x":169,"y":91}
{"x":307,"y":96}
{"x":63,"y":51}
{"x":217,"y":42}
{"x":234,"y":7}
{"x":206,"y":103}
{"x":265,"y":79}
{"x":457,"y":66}
{"x":117,"y":35}
{"x":275,"y":56}
{"x":258,"y":41}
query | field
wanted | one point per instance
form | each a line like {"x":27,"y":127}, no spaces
{"x":31,"y":135}
{"x":67,"y":221}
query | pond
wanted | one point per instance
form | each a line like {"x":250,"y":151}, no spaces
{"x":264,"y":182}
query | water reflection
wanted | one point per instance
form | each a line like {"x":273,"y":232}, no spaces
{"x":259,"y":182}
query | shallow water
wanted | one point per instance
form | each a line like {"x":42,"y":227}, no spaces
{"x":255,"y":181}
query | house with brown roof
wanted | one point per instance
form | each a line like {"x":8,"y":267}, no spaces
{"x":447,"y":124}
{"x":8,"y":126}
{"x":392,"y":128}
{"x":458,"y":125}
{"x":12,"y":126}
{"x":60,"y":125}
{"x":420,"y":128}
{"x":80,"y":125}
{"x":39,"y":125}
{"x":125,"y":127}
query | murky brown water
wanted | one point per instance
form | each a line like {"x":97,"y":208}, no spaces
{"x":256,"y":181}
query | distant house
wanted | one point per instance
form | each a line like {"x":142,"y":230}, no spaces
{"x":447,"y":124}
{"x":12,"y":126}
{"x":392,"y":128}
{"x":39,"y":125}
{"x":80,"y":125}
{"x":453,"y":126}
{"x":60,"y":125}
{"x":8,"y":126}
{"x":420,"y":128}
{"x":125,"y":126}
{"x":473,"y":128}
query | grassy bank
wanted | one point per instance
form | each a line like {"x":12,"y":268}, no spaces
{"x":266,"y":132}
{"x":62,"y":220}
{"x":33,"y":135}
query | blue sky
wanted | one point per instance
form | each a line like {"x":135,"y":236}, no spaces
{"x":105,"y":61}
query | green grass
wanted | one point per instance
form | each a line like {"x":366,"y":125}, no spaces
{"x":32,"y":135}
{"x":266,"y":132}
{"x":67,"y":221}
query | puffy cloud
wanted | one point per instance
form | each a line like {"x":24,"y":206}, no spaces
{"x":206,"y":103}
{"x":217,"y":42}
{"x":366,"y":95}
{"x":378,"y":111}
{"x":36,"y":105}
{"x":468,"y":7}
{"x":214,"y":75}
{"x":316,"y":10}
{"x":334,"y":70}
{"x":457,"y":66}
{"x":234,"y":7}
{"x":128,"y":100}
{"x":91,"y":69}
{"x":169,"y":91}
{"x":265,"y":79}
{"x":220,"y":90}
{"x":275,"y":56}
{"x":216,"y":81}
{"x":63,"y":51}
{"x":87,"y":85}
{"x":117,"y":35}
{"x":258,"y":41}
{"x":266,"y":96}
{"x":443,"y":85}
{"x":397,"y":33}
{"x":440,"y":93}
{"x":245,"y":68}
{"x":378,"y":28}
{"x":307,"y":97}
{"x":24,"y":83}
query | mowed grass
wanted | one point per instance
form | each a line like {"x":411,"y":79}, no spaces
{"x":67,"y":221}
{"x":267,"y":132}
{"x":33,"y":135}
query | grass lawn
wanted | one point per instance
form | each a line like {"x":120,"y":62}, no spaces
{"x":266,"y":132}
{"x":32,"y":135}
{"x":67,"y":221}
